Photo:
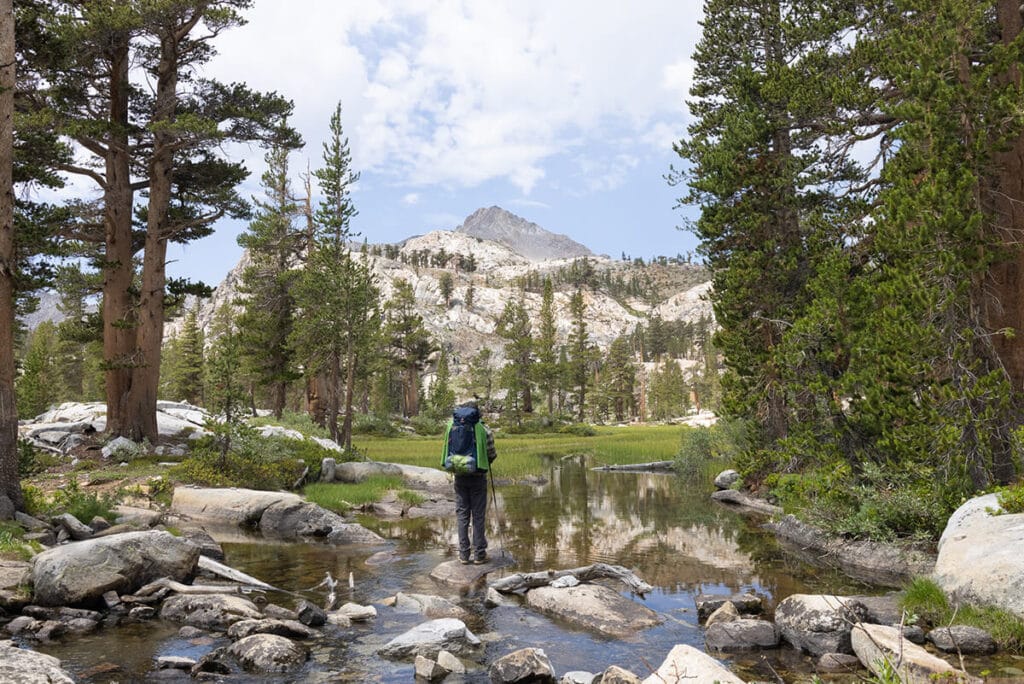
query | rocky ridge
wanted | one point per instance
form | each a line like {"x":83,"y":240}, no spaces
{"x":506,"y":250}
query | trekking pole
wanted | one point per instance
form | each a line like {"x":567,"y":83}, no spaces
{"x":499,"y":518}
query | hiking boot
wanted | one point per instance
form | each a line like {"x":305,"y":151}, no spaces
{"x":464,"y":560}
{"x":480,"y":559}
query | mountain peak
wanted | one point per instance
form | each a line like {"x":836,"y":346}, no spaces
{"x":521,"y":236}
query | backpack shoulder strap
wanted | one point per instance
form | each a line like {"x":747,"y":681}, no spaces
{"x":444,"y":444}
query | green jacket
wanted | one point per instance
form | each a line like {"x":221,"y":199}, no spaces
{"x":481,"y":436}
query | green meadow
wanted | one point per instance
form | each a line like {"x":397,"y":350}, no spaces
{"x":523,"y":455}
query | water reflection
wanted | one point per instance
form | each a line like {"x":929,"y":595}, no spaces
{"x":664,"y":528}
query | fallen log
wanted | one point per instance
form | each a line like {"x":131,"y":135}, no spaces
{"x":513,"y":583}
{"x":168,"y":585}
{"x":227,"y":572}
{"x":665,"y":466}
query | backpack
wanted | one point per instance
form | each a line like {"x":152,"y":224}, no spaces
{"x":464,"y":440}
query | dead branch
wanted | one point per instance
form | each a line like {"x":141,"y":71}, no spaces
{"x":512,"y":583}
{"x":653,"y":465}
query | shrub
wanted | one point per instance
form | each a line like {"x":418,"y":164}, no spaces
{"x":252,"y":462}
{"x":300,"y":422}
{"x":341,"y":498}
{"x":425,"y":425}
{"x":83,"y":505}
{"x":923,"y":600}
{"x":373,"y":424}
{"x":1011,"y":499}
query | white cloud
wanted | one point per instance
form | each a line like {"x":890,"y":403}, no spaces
{"x":457,"y":93}
{"x":411,"y":198}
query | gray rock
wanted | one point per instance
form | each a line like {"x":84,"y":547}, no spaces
{"x":838,"y":662}
{"x":174,"y":663}
{"x":429,"y":638}
{"x":142,"y":613}
{"x":687,"y":664}
{"x":726,"y":479}
{"x":242,"y":507}
{"x":190,"y":632}
{"x":14,"y":579}
{"x":211,"y":611}
{"x":76,"y":529}
{"x":311,"y":615}
{"x":30,"y":523}
{"x":122,"y":448}
{"x":22,"y":624}
{"x":494,"y":598}
{"x":298,"y":520}
{"x":818,"y":623}
{"x":357,"y":613}
{"x":46,"y":538}
{"x":208,"y":546}
{"x":98,"y":524}
{"x":111,"y":600}
{"x":882,"y":610}
{"x":524,"y":665}
{"x":741,"y":635}
{"x":746,"y":604}
{"x":328,"y":468}
{"x":594,"y":607}
{"x":963,"y":639}
{"x":881,"y":646}
{"x":28,"y":667}
{"x":290,"y":629}
{"x":578,"y":677}
{"x":429,"y":606}
{"x":358,"y":471}
{"x":912,"y":633}
{"x":61,"y":613}
{"x":450,"y":662}
{"x":726,"y":613}
{"x":268,"y":653}
{"x":455,"y":574}
{"x":75,"y":573}
{"x":276,"y":612}
{"x":979,"y":558}
{"x":617,"y":675}
{"x":428,"y":669}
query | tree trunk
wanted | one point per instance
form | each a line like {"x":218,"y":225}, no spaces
{"x":333,"y":388}
{"x":118,"y":270}
{"x":1005,"y":282}
{"x":350,"y":388}
{"x":412,"y":396}
{"x":10,"y":484}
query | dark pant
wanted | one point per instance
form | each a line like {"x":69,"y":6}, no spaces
{"x":471,"y":507}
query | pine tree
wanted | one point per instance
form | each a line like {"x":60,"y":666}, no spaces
{"x":182,"y":373}
{"x":769,"y":181}
{"x":546,"y":366}
{"x":38,"y":386}
{"x":408,"y":341}
{"x":579,"y":354}
{"x":619,"y":379}
{"x":442,"y":397}
{"x":274,"y":245}
{"x":336,"y":293}
{"x":446,"y":284}
{"x":481,"y":373}
{"x":226,"y":391}
{"x":514,"y":327}
{"x":470,"y":297}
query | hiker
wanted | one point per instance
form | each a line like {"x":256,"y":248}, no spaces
{"x":468,"y":453}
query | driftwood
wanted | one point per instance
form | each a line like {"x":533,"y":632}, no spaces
{"x":158,"y":589}
{"x":219,"y":569}
{"x":507,"y":585}
{"x":652,"y":466}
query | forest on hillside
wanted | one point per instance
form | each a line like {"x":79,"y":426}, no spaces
{"x":858,"y":167}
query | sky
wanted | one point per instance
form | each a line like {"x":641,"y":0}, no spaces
{"x":561,"y":111}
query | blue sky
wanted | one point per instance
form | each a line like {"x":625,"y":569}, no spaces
{"x":562,"y":112}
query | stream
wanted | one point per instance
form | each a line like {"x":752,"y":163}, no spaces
{"x":667,"y":530}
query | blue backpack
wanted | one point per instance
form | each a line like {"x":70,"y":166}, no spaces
{"x":465,"y":449}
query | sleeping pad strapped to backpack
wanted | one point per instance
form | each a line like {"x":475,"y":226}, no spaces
{"x":465,"y":443}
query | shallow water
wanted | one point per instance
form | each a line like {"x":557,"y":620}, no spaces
{"x":665,"y":529}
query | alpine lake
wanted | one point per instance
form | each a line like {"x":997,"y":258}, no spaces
{"x":662,"y":527}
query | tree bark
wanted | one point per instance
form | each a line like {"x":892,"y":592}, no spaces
{"x":118,"y":270}
{"x":10,"y":484}
{"x":1005,"y":282}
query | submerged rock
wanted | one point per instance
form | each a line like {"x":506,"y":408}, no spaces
{"x":429,"y":638}
{"x":734,"y":636}
{"x":524,"y":665}
{"x":268,"y":653}
{"x":594,"y":607}
{"x":209,"y":611}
